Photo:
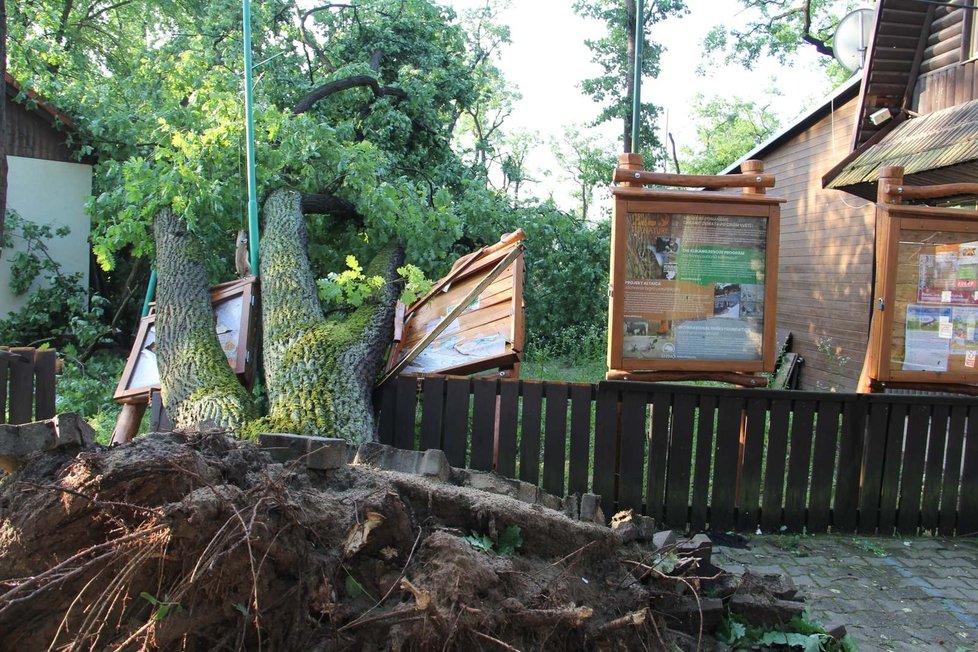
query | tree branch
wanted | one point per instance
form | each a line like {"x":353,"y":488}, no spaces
{"x":338,"y":85}
{"x":328,"y":204}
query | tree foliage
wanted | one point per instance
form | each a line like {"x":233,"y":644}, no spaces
{"x":614,"y":52}
{"x":726,"y":129}
{"x":779,"y":28}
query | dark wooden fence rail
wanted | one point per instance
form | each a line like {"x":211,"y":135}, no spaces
{"x":708,"y":458}
{"x":27,"y":379}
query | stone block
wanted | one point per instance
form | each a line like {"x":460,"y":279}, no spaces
{"x":664,"y":539}
{"x":19,"y":441}
{"x":492,"y":483}
{"x":836,"y":630}
{"x":698,"y":546}
{"x":431,"y":463}
{"x":684,"y":614}
{"x":591,"y":511}
{"x":572,"y":506}
{"x":319,"y":453}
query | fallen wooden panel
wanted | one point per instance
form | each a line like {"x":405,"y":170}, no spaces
{"x":487,"y":333}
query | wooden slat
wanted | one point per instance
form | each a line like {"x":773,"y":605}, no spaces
{"x":725,"y":465}
{"x":890,"y":487}
{"x":44,"y":383}
{"x":952,"y":470}
{"x":869,"y":497}
{"x":509,"y":403}
{"x":4,"y":386}
{"x":968,"y":505}
{"x":823,"y":465}
{"x":388,"y":401}
{"x":404,"y":410}
{"x":530,"y":432}
{"x":580,"y":438}
{"x":606,"y":447}
{"x":432,"y":411}
{"x":658,"y":456}
{"x":846,"y":504}
{"x":799,"y":460}
{"x":930,"y":507}
{"x":748,"y":500}
{"x":631,"y":465}
{"x":680,"y":461}
{"x":912,"y":477}
{"x":456,"y":433}
{"x":699,"y":511}
{"x":555,"y":441}
{"x":777,"y":447}
{"x":22,"y":386}
{"x":483,"y":422}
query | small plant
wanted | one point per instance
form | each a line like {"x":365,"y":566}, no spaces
{"x":869,"y":546}
{"x":352,"y":287}
{"x":799,"y":633}
{"x":792,"y":543}
{"x":835,"y":362}
{"x":163,"y":607}
{"x":507,"y":542}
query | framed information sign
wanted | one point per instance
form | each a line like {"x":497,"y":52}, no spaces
{"x":693,"y":280}
{"x":924,"y":330}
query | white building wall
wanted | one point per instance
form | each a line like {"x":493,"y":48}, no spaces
{"x":48,"y":192}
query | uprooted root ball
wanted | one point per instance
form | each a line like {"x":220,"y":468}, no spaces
{"x":196,"y":542}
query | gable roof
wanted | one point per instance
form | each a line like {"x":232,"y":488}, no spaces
{"x":13,"y":88}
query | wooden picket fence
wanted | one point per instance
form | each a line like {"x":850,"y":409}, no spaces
{"x":27,"y":382}
{"x":704,"y":458}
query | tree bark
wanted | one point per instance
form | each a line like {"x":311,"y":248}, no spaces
{"x":630,"y":11}
{"x":198,"y":385}
{"x":319,"y":374}
{"x":347,"y":83}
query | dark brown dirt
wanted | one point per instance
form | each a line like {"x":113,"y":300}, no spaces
{"x":198,"y":542}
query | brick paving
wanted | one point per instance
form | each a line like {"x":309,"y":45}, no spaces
{"x":891,"y":593}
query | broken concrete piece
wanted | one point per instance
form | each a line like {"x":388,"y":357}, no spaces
{"x":664,"y":539}
{"x":319,"y":453}
{"x":591,"y":511}
{"x":19,"y":441}
{"x":430,"y":463}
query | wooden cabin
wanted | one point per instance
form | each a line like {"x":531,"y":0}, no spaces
{"x":915,"y":104}
{"x":45,"y":184}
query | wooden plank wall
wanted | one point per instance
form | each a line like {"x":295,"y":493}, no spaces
{"x":826,"y":254}
{"x":27,"y":384}
{"x":30,"y":134}
{"x":715,"y":459}
{"x":947,"y":69}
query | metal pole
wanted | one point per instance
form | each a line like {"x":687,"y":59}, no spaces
{"x":250,"y":142}
{"x":150,"y":291}
{"x":637,"y":80}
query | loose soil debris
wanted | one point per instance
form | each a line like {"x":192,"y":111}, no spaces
{"x":195,"y":541}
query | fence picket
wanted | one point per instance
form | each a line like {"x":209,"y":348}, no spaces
{"x":530,"y":432}
{"x":893,"y":457}
{"x":777,"y":450}
{"x":912,"y":478}
{"x":750,"y":476}
{"x":22,"y":386}
{"x":699,"y":512}
{"x":823,"y":463}
{"x":659,"y":435}
{"x":606,"y":419}
{"x":44,"y":398}
{"x":952,"y":469}
{"x":4,"y":375}
{"x":845,"y":507}
{"x":631,"y":465}
{"x":680,"y":460}
{"x":968,"y":506}
{"x":432,"y":411}
{"x":799,"y":461}
{"x":729,"y":423}
{"x":404,"y":409}
{"x":509,"y":411}
{"x":869,"y":496}
{"x":456,"y":434}
{"x":483,"y":422}
{"x":930,"y":507}
{"x":555,"y":441}
{"x":580,"y":438}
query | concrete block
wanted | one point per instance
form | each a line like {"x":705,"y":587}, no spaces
{"x":572,"y":506}
{"x":764,"y":611}
{"x":430,"y":463}
{"x":699,"y":546}
{"x":664,"y":539}
{"x":19,"y":441}
{"x":591,"y":511}
{"x":319,"y":453}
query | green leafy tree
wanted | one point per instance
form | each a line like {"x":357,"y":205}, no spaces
{"x":587,"y":163}
{"x":778,"y":29}
{"x":726,"y":129}
{"x":615,"y":53}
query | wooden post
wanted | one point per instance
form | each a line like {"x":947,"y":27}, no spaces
{"x":890,"y":187}
{"x":630,"y":163}
{"x":127,"y":425}
{"x":756,"y":167}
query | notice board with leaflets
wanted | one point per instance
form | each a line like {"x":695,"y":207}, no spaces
{"x":693,"y":279}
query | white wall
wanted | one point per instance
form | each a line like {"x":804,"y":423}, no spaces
{"x":48,"y":192}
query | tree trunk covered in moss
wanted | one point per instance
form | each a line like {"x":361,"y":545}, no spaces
{"x":319,"y":373}
{"x":198,"y":384}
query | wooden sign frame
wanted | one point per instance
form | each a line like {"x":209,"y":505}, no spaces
{"x":246,"y":342}
{"x":641,"y":212}
{"x":423,"y":323}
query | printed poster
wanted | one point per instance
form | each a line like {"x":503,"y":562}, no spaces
{"x":928,"y":338}
{"x":694,"y":287}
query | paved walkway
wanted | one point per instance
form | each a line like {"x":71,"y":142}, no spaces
{"x":891,"y":593}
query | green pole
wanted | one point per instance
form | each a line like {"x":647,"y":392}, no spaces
{"x":250,"y":142}
{"x":637,"y":80}
{"x":150,"y":291}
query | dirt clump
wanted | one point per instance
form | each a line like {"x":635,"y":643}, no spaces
{"x":194,"y":541}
